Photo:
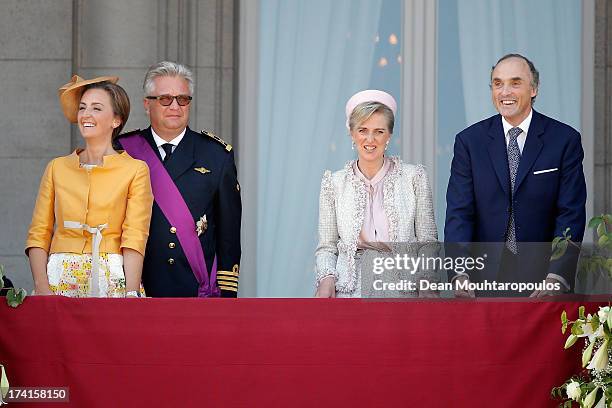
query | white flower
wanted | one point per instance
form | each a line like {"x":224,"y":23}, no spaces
{"x":592,"y":335}
{"x":573,"y":390}
{"x":599,"y":333}
{"x":601,"y":403}
{"x":590,"y":398}
{"x":603,"y":314}
{"x":4,"y":384}
{"x":600,"y":360}
{"x":587,"y":330}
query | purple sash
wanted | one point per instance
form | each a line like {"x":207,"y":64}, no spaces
{"x":172,"y":204}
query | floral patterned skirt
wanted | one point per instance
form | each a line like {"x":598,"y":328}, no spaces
{"x":69,"y":275}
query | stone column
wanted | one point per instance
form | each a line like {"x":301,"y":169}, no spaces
{"x":603,"y":108}
{"x":35,"y":59}
{"x":122,"y":38}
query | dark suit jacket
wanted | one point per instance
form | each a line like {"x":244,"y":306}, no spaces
{"x":216,"y":194}
{"x":7,"y":285}
{"x":545,"y":204}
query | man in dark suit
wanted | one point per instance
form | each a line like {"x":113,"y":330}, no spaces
{"x":517,"y":177}
{"x":202,"y":168}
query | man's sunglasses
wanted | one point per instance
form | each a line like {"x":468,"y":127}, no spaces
{"x":166,"y":100}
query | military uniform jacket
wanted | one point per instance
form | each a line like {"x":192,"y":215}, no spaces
{"x":203,"y":169}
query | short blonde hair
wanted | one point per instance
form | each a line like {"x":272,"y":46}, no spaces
{"x":363,"y":111}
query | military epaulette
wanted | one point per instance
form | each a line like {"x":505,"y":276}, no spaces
{"x":130,"y":133}
{"x":226,"y":146}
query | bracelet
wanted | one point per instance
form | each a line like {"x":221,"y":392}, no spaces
{"x":132,"y":293}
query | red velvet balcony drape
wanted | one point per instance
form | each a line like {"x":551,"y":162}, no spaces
{"x":289,"y":352}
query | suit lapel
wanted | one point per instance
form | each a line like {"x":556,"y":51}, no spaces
{"x":498,"y":155}
{"x":531,"y":150}
{"x":183,"y":156}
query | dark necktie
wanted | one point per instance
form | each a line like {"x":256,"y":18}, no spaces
{"x":514,"y":157}
{"x":168,"y":149}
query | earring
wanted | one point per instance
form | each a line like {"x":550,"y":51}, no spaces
{"x":353,"y":145}
{"x":387,"y":145}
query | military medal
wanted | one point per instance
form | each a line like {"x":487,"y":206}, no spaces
{"x":201,"y":225}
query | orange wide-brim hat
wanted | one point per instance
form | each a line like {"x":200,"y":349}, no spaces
{"x":70,"y":94}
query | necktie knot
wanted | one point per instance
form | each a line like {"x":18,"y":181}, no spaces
{"x":514,"y":132}
{"x":167,"y":149}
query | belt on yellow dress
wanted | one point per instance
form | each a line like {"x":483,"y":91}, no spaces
{"x":96,"y":235}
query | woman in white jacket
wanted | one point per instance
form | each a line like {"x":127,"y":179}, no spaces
{"x":373,"y":200}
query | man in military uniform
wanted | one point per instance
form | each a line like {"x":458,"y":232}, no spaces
{"x":194,"y":239}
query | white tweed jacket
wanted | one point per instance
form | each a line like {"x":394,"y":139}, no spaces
{"x":408,"y":204}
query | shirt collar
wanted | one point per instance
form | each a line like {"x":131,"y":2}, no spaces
{"x":378,"y":177}
{"x":159,"y":141}
{"x":524,"y":125}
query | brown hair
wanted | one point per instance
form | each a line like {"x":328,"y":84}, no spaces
{"x":120,"y":102}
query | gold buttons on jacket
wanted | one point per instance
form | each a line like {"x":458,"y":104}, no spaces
{"x":173,"y":230}
{"x":171,"y":261}
{"x":171,"y":245}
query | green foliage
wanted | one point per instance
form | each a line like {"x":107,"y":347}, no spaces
{"x":595,"y":322}
{"x":595,"y":263}
{"x":603,"y":227}
{"x":559,"y":245}
{"x":15,"y":296}
{"x":577,"y":328}
{"x":595,"y":382}
{"x":563,"y":322}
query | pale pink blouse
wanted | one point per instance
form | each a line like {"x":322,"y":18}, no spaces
{"x":375,"y":223}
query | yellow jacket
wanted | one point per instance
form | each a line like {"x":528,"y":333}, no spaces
{"x":118,"y":193}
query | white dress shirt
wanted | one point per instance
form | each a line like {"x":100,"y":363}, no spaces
{"x":524,"y":127}
{"x":174,"y":142}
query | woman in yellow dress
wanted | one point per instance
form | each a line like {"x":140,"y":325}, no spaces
{"x":91,"y":220}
